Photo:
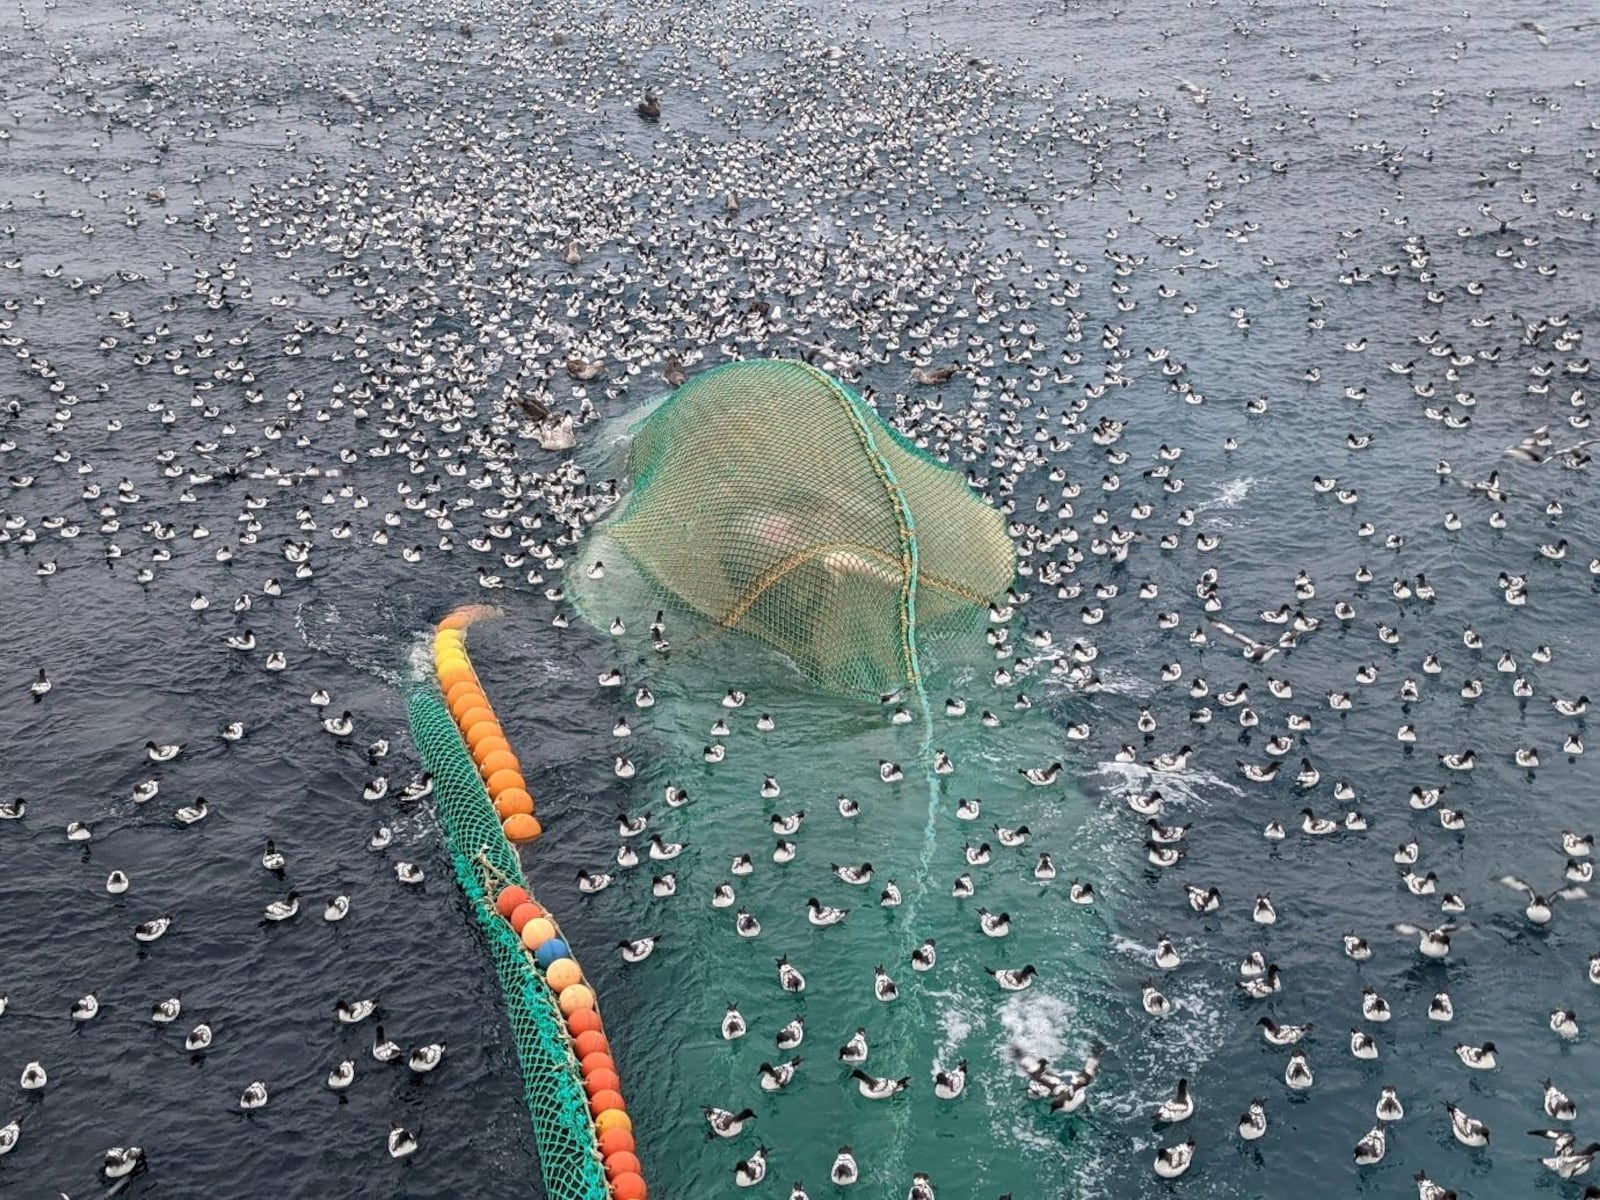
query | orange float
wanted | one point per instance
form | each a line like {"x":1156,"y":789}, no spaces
{"x":623,"y":1162}
{"x":522,"y":914}
{"x":505,"y":778}
{"x":579,"y":995}
{"x":600,"y":1060}
{"x":462,"y":687}
{"x":562,"y":974}
{"x":616,"y":1141}
{"x":584,"y":1021}
{"x":453,"y":676}
{"x":605,"y":1101}
{"x":602,"y":1081}
{"x":496,"y":760}
{"x":489,"y":745}
{"x":591,"y":1042}
{"x":613,"y":1118}
{"x":464,"y":702}
{"x":629,"y":1186}
{"x":481,"y":731}
{"x":509,"y":898}
{"x":521,"y":827}
{"x":468,"y":717}
{"x":511,"y":802}
{"x":537,"y":932}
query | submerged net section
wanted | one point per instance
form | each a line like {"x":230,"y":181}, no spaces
{"x":484,"y":861}
{"x":771,"y":500}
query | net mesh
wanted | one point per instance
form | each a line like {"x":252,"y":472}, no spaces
{"x":771,"y":500}
{"x":484,"y":862}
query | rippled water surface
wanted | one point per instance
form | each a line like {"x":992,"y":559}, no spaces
{"x":280,"y":266}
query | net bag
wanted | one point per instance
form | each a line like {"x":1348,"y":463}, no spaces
{"x":771,"y":500}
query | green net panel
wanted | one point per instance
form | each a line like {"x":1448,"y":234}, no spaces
{"x":484,"y":861}
{"x":769,"y":499}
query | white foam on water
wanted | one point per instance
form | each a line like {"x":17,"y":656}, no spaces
{"x":955,"y":1025}
{"x":1230,"y":494}
{"x":1035,"y":1022}
{"x":1188,"y":789}
{"x":419,"y":660}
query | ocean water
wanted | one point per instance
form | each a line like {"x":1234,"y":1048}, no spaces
{"x":338,"y":206}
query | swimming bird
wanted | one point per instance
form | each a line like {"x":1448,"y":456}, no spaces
{"x":282,"y":910}
{"x":384,"y":1049}
{"x":884,"y":988}
{"x":1179,"y":1108}
{"x":426,"y":1058}
{"x":844,"y":1170}
{"x":638,"y":950}
{"x":1041,"y":776}
{"x":1431,"y":943}
{"x":351,"y":1012}
{"x":776,"y":1078}
{"x":821,"y":914}
{"x":254,"y":1096}
{"x":947,"y":1085}
{"x":119,"y":1162}
{"x":1389,"y":1107}
{"x":1469,"y":1131}
{"x":1370,"y":1149}
{"x":789,"y":977}
{"x":876,"y":1088}
{"x":854,"y":875}
{"x":1427,"y":1189}
{"x":1558,"y":1106}
{"x":1568,"y":1160}
{"x":751,"y":1171}
{"x":726,"y":1124}
{"x":153,"y":929}
{"x":1539,"y":909}
{"x":1172,"y":1161}
{"x":1297,"y":1074}
{"x":1013,"y":980}
{"x":401,"y":1142}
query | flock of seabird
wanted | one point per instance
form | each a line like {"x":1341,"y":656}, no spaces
{"x":545,"y":218}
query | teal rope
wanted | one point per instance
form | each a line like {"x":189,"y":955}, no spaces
{"x":864,"y":419}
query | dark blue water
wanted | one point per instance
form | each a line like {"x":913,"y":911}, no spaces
{"x":283,"y":213}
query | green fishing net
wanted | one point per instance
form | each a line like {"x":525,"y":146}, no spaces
{"x":484,"y":863}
